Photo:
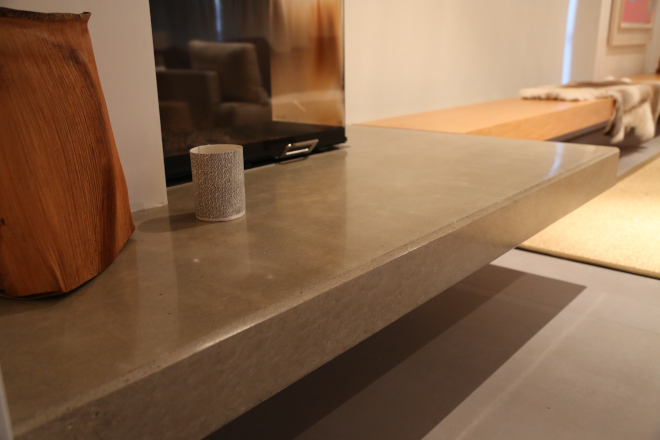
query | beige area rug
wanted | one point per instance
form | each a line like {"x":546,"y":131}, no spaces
{"x":619,"y":229}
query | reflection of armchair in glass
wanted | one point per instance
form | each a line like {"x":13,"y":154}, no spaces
{"x":223,"y":88}
{"x":188,"y":99}
{"x":244,"y":100}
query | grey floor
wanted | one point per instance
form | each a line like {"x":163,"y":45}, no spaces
{"x":530,"y":347}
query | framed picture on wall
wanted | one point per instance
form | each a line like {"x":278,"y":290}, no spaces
{"x":631,"y":22}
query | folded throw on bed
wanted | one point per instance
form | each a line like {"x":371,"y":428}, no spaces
{"x":636,"y":104}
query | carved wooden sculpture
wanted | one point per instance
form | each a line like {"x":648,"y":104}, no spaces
{"x":64,"y":212}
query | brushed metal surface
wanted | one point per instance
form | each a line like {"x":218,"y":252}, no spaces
{"x":196,"y":322}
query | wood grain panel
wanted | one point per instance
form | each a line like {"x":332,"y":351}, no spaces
{"x":64,"y":212}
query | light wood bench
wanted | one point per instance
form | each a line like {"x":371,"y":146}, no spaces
{"x":515,"y":118}
{"x":509,"y":118}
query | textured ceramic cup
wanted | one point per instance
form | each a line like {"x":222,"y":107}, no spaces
{"x":218,"y":177}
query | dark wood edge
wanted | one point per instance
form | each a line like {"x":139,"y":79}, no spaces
{"x":42,"y":16}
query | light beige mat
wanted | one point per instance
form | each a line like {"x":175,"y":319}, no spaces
{"x":619,"y":229}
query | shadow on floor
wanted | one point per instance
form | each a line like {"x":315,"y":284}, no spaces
{"x":401,"y":382}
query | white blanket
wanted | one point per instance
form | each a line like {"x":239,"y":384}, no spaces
{"x":636,"y":104}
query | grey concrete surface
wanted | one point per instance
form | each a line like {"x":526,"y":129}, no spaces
{"x":194,"y":323}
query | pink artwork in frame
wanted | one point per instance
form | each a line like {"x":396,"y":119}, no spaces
{"x":637,"y":13}
{"x":631,"y":22}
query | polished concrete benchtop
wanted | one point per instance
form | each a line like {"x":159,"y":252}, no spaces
{"x":195,"y":322}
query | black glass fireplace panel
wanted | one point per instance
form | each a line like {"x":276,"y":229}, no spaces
{"x":260,"y":73}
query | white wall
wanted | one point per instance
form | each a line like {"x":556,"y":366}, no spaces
{"x":121,"y":37}
{"x":419,"y":55}
{"x":585,"y":39}
{"x":653,"y":49}
{"x":5,"y":422}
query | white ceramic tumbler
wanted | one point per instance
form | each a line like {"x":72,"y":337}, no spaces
{"x":219,"y":182}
